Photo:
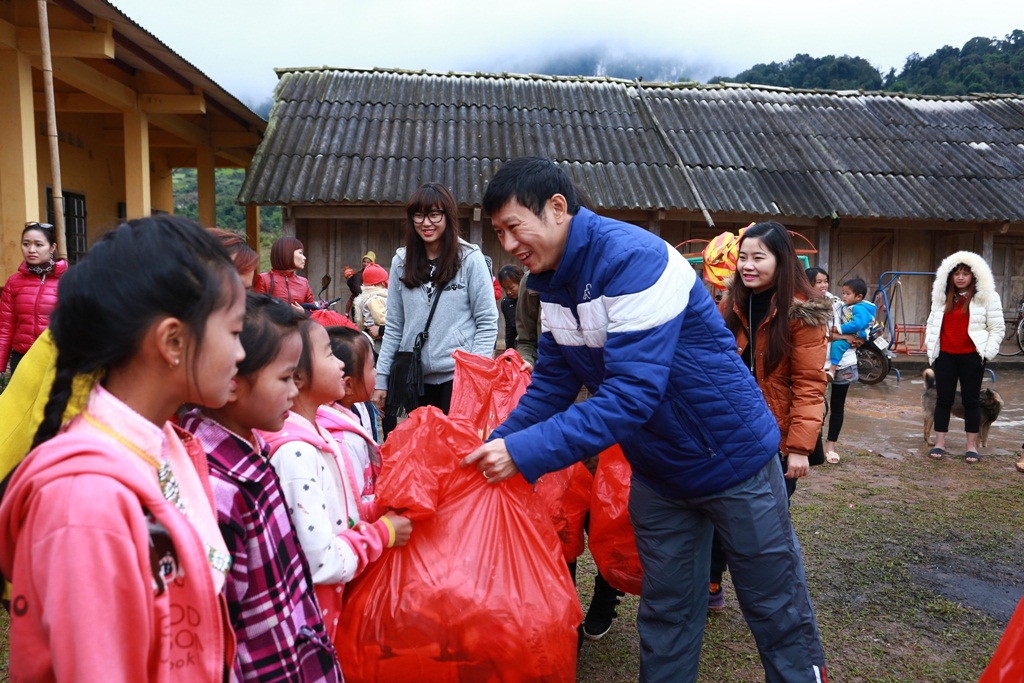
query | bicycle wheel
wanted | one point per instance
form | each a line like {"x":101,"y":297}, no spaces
{"x":1010,"y":338}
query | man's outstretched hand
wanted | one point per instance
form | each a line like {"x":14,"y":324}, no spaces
{"x":493,"y":461}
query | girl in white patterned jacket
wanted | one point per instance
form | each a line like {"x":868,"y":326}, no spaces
{"x":318,"y":482}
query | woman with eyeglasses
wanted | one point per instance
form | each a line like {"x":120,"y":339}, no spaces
{"x":30,"y":294}
{"x":435,"y":262}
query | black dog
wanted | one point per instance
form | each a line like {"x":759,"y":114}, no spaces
{"x":991,"y":405}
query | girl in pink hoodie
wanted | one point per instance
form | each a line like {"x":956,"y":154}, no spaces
{"x":108,"y":534}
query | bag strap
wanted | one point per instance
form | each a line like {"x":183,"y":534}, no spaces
{"x":423,"y":336}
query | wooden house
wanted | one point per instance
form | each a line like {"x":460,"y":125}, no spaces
{"x":876,"y":181}
{"x":128,"y":111}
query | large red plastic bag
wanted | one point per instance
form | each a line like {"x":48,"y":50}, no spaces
{"x":1007,"y":665}
{"x":612,"y":540}
{"x":566,"y":493}
{"x":486,"y":390}
{"x":480,"y":593}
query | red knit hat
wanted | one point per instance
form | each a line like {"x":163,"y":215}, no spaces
{"x":374,"y":275}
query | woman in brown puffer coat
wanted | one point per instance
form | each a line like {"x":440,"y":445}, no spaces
{"x":787,"y":355}
{"x":30,"y":294}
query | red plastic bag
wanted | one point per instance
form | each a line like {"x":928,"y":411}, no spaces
{"x":566,"y":494}
{"x":486,"y":390}
{"x":480,"y":593}
{"x":1007,"y":665}
{"x":329,"y":318}
{"x":612,"y":541}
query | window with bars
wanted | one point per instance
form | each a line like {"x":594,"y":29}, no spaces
{"x":74,"y":223}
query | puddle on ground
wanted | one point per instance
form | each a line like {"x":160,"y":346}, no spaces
{"x":888,"y":419}
{"x":998,"y":600}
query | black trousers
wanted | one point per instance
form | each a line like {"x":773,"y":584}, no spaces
{"x":967,"y":369}
{"x":837,"y":410}
{"x":438,"y":395}
{"x":15,"y":358}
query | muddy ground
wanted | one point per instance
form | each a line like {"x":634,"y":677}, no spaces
{"x":914,"y":566}
{"x":887,"y":418}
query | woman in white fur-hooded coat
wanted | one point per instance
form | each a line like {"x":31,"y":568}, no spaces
{"x":965,"y":328}
{"x":987,"y":325}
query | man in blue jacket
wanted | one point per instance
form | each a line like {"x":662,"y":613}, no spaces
{"x":625,"y":315}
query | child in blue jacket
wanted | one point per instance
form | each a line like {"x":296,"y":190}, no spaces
{"x":855,"y":318}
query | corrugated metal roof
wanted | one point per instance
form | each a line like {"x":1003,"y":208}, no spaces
{"x":346,"y":136}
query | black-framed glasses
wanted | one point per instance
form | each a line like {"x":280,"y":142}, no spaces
{"x":434,"y":216}
{"x":33,"y":224}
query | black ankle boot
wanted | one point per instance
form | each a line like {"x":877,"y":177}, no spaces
{"x":602,"y":610}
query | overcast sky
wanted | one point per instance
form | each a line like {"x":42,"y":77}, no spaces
{"x":238,"y":43}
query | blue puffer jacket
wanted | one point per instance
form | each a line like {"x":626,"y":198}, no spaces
{"x":625,"y":315}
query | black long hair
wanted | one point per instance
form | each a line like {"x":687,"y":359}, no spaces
{"x":267,"y":321}
{"x":352,"y":348}
{"x":428,"y":197}
{"x":790,"y":280}
{"x":104,"y":309}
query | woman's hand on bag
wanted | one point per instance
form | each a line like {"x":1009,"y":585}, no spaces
{"x":493,"y":461}
{"x":799,"y":466}
{"x":402,"y":526}
{"x":379,"y":398}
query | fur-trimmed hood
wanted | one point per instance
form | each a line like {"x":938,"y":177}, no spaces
{"x":368,"y":292}
{"x":811,"y":312}
{"x":985,"y":283}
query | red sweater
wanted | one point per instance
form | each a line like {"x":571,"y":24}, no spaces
{"x":953,"y":337}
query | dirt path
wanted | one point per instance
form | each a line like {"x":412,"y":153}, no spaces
{"x":914,"y":565}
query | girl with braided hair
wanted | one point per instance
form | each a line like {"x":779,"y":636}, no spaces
{"x":110,"y":535}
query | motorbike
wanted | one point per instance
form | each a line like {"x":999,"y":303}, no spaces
{"x":322,"y":309}
{"x":873,"y":361}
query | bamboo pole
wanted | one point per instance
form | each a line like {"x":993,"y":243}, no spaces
{"x":51,"y":131}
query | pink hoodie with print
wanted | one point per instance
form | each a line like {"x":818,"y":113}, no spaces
{"x":74,"y":509}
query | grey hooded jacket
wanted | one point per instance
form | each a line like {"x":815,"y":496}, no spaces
{"x":466,"y":318}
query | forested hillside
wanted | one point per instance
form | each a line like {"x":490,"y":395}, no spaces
{"x":230,"y":214}
{"x":804,"y":71}
{"x":982,"y":65}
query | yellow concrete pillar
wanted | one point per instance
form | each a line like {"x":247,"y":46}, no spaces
{"x":19,"y":175}
{"x":207,"y":186}
{"x":252,"y":226}
{"x":136,"y":164}
{"x":161,"y":187}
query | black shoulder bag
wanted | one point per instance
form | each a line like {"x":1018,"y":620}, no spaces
{"x":405,"y":383}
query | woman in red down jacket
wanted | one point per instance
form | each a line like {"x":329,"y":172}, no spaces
{"x":30,"y":294}
{"x":286,"y":256}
